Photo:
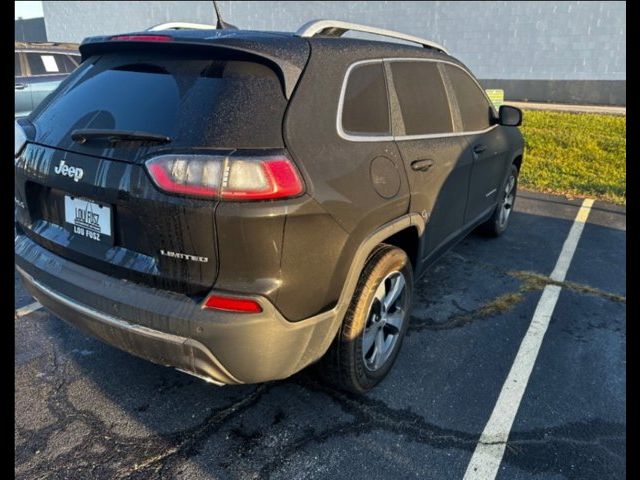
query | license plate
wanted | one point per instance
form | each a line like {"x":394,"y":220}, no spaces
{"x":88,"y":219}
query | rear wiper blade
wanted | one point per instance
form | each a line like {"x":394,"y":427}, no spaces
{"x":114,"y":136}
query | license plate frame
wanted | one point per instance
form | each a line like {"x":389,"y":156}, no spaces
{"x":89,"y":219}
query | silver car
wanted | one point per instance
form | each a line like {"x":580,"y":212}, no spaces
{"x":40,"y":67}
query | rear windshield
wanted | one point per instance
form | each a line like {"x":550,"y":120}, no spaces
{"x":197,"y":101}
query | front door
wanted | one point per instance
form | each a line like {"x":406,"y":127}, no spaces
{"x":486,"y":143}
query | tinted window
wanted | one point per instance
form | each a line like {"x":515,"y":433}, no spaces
{"x":18,"y":68}
{"x":42,"y":63}
{"x":66,"y":63}
{"x":422,"y":97}
{"x":194,"y":99}
{"x":474,"y":108}
{"x":366,"y":108}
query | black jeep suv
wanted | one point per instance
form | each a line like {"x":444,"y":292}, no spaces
{"x":241,"y":204}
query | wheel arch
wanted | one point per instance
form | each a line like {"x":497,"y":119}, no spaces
{"x":517,"y":161}
{"x":404,"y":232}
{"x":407,"y":239}
{"x":517,"y":157}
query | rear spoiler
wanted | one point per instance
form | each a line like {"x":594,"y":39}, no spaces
{"x":287,"y":71}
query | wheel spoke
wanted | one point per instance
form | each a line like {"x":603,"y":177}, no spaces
{"x":509,"y":186}
{"x":388,"y":343}
{"x":379,"y":349}
{"x":380,"y":292}
{"x":387,"y":313}
{"x":373,"y":359}
{"x":394,"y":321}
{"x":368,"y":339}
{"x":394,"y":292}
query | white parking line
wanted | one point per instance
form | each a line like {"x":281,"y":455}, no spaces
{"x":488,"y":454}
{"x":27,"y":309}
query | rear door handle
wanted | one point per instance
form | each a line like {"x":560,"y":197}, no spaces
{"x":21,"y":86}
{"x":421,"y":165}
{"x":479,"y":148}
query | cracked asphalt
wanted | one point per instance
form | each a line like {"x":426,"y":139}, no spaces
{"x":85,"y":410}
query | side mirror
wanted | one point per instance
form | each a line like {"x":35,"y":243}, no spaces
{"x":510,"y":116}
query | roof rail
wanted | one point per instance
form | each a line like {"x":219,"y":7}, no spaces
{"x":181,"y":26}
{"x":336,"y":28}
{"x":22,"y":44}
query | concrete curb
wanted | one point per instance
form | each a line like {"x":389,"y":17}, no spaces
{"x":557,"y":107}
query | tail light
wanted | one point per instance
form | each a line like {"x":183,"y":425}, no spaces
{"x":227,"y":178}
{"x":232,"y":304}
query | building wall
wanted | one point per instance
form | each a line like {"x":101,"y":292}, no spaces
{"x":503,"y":40}
{"x":30,"y":30}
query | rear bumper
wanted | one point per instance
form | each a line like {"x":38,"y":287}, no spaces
{"x":172,"y":329}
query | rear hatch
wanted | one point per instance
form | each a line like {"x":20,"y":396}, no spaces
{"x":92,"y":200}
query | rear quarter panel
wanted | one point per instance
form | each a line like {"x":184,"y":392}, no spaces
{"x":318,"y":248}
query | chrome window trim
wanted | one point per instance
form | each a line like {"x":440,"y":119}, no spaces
{"x":444,"y":135}
{"x":355,"y":137}
{"x":379,"y":138}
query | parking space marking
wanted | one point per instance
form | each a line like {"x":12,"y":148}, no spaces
{"x":568,"y":249}
{"x":486,"y":458}
{"x":27,"y":309}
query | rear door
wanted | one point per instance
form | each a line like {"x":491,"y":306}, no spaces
{"x":23,"y":100}
{"x":486,"y":143}
{"x":432,"y":151}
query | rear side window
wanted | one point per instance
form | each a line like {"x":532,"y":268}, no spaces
{"x":365,"y":109}
{"x":474,"y":107}
{"x":18,"y":67}
{"x":66,"y":63}
{"x":50,"y":63}
{"x":44,"y":63}
{"x":423,"y":98}
{"x":197,"y":100}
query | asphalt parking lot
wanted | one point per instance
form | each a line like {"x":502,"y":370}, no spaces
{"x":86,"y":410}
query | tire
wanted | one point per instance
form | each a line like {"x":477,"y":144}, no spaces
{"x":346,"y":365}
{"x":499,"y":221}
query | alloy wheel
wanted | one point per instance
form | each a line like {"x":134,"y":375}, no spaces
{"x":509,"y":198}
{"x":387,"y":314}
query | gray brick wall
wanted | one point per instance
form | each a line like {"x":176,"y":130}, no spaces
{"x":580,"y":40}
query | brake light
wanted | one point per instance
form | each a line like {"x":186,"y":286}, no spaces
{"x":142,"y":38}
{"x":232,"y":304}
{"x":227,"y":178}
